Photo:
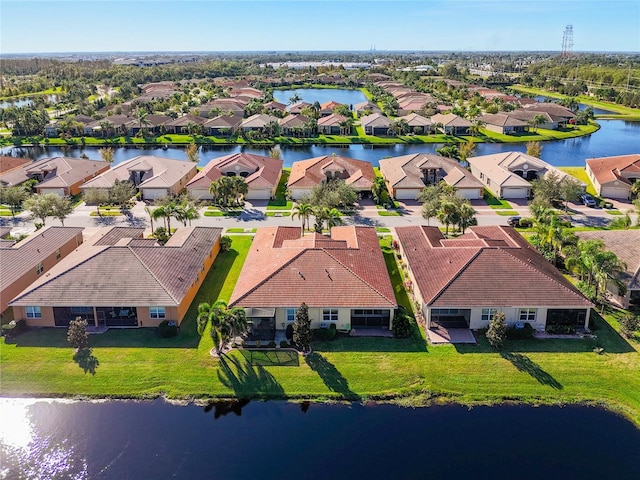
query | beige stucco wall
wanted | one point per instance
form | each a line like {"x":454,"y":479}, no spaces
{"x":315,"y":315}
{"x":46,"y":320}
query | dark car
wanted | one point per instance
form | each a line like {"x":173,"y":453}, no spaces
{"x":513,"y":221}
{"x":588,"y":200}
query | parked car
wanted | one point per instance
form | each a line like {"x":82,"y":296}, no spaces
{"x":588,"y":200}
{"x":513,"y":221}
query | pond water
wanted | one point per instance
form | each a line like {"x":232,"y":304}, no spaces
{"x":125,"y":439}
{"x":616,"y":137}
{"x":24,"y":101}
{"x":321,"y":95}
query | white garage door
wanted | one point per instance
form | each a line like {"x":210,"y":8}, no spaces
{"x":153,"y":193}
{"x":407,"y":194}
{"x":615,"y":192}
{"x":57,"y":191}
{"x":470,"y":193}
{"x":514,"y":192}
{"x":297,"y":193}
{"x":200,"y":193}
{"x":264,"y":194}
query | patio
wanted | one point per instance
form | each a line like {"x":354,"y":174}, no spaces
{"x":447,"y":336}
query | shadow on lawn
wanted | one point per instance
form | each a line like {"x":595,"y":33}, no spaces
{"x":270,"y":358}
{"x":86,"y":361}
{"x":237,"y":374}
{"x":330,"y":375}
{"x":525,"y":364}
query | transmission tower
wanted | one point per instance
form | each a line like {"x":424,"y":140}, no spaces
{"x":567,"y":42}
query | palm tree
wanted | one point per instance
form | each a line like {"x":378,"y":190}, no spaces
{"x":332,"y":217}
{"x":536,"y":121}
{"x":303,"y":211}
{"x":239,"y":189}
{"x":295,"y":98}
{"x":141,"y":116}
{"x":475,"y":127}
{"x":379,"y":190}
{"x":467,"y":215}
{"x":150,"y":213}
{"x":448,"y":214}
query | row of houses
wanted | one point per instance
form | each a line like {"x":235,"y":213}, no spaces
{"x":508,"y":175}
{"x":117,"y":278}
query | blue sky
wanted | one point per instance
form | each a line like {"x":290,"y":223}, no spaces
{"x":211,"y":25}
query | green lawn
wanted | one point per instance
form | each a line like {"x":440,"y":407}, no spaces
{"x":581,"y":174}
{"x":495,"y":202}
{"x":137,"y":363}
{"x":278,"y":214}
{"x":506,"y":213}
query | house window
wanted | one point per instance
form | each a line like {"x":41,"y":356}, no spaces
{"x":330,"y":315}
{"x":291,"y":314}
{"x":33,"y":312}
{"x":58,"y":254}
{"x":488,"y":314}
{"x":488,"y":181}
{"x":157,"y":312}
{"x":528,"y":314}
{"x":481,"y":176}
{"x":39,"y":268}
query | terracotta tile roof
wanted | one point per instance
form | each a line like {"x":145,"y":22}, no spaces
{"x":9,"y":163}
{"x":18,"y":258}
{"x":609,"y":169}
{"x":489,"y":266}
{"x":326,"y":272}
{"x":135,"y":274}
{"x":552,"y":109}
{"x":331,"y":120}
{"x":263,"y":171}
{"x":56,"y":172}
{"x":308,"y":173}
{"x":293,"y":120}
{"x":161,"y":172}
{"x":626,"y":245}
{"x":113,"y":235}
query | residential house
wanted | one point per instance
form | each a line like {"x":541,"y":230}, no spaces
{"x":561,"y":115}
{"x":508,"y":174}
{"x":187,"y":124}
{"x":53,"y":129}
{"x":527,"y":116}
{"x":222,"y":125}
{"x":222,"y":106}
{"x":60,"y":175}
{"x":110,"y":126}
{"x":298,"y":107}
{"x":306,"y":174}
{"x":257,"y":122}
{"x":273,"y":107}
{"x":155,"y":177}
{"x":366,"y":108}
{"x":451,"y":123}
{"x":626,"y":245}
{"x":503,"y":123}
{"x":419,"y":125}
{"x":327,"y":108}
{"x":333,"y":125}
{"x":375,"y":124}
{"x":248,"y":92}
{"x":152,"y":123}
{"x":613,"y":177}
{"x":117,"y":278}
{"x":407,"y":175}
{"x":262,"y":175}
{"x":24,"y":262}
{"x":293,"y":124}
{"x":463,"y":282}
{"x":342,"y":278}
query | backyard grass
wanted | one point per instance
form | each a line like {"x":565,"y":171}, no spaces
{"x":580,"y":173}
{"x":137,"y":363}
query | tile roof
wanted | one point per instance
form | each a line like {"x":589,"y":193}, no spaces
{"x":308,"y":173}
{"x":223,"y":121}
{"x":415,"y":120}
{"x":56,"y":171}
{"x":375,"y":120}
{"x":259,"y":120}
{"x":551,"y":108}
{"x":490,"y":266}
{"x":450,"y":120}
{"x":333,"y":119}
{"x":502,"y":120}
{"x":162,"y":172}
{"x":263,"y":171}
{"x":344,"y":270}
{"x":609,"y":169}
{"x":9,"y":163}
{"x":405,"y":171}
{"x":16,"y":259}
{"x":626,"y":245}
{"x":132,"y":272}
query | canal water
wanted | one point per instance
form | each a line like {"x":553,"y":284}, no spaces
{"x":263,"y":440}
{"x":615,"y":137}
{"x":24,"y":101}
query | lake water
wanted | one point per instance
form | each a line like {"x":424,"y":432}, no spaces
{"x":262,"y":440}
{"x":24,"y":101}
{"x":322,"y":95}
{"x":616,"y":137}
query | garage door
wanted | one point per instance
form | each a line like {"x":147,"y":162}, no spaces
{"x":407,"y":194}
{"x":615,"y":192}
{"x":470,"y":193}
{"x":364,"y":318}
{"x":153,"y":193}
{"x":57,"y":191}
{"x":201,"y":193}
{"x":514,"y":192}
{"x":259,"y":194}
